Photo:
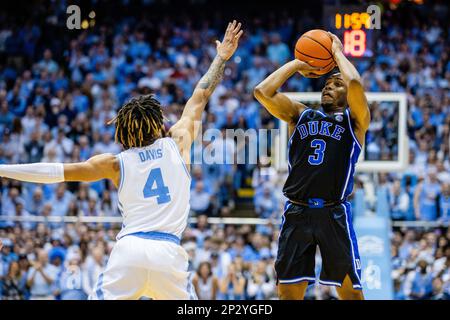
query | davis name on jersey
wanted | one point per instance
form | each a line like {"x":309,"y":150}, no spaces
{"x":150,"y":154}
{"x":154,"y":189}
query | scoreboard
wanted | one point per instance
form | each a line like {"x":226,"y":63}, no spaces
{"x":352,"y":24}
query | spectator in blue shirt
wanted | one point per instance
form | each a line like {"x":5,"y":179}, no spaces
{"x":418,"y":284}
{"x":61,"y":200}
{"x":444,"y":203}
{"x":200,"y":199}
{"x":6,"y":116}
{"x":277,"y":51}
{"x":47,"y":63}
{"x":266,"y":205}
{"x":16,"y":103}
{"x":7,"y":256}
{"x":41,"y":277}
{"x":426,"y":198}
{"x":80,"y":101}
{"x":398,"y":201}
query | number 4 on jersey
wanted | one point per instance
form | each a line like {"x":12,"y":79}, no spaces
{"x":161,"y":191}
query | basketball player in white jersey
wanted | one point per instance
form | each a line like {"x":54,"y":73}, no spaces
{"x":153,"y":189}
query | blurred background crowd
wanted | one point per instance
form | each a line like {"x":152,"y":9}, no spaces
{"x":59,"y":88}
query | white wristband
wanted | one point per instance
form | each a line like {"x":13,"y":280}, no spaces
{"x":34,"y":172}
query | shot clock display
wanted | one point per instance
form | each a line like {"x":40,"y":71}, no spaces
{"x":352,"y":24}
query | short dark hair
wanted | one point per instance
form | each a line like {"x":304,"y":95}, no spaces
{"x":205,"y":263}
{"x":335,"y":75}
{"x":139,"y":122}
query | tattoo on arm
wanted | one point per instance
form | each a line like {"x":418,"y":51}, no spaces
{"x":213,"y":76}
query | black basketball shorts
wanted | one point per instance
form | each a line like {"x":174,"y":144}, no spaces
{"x":329,"y":228}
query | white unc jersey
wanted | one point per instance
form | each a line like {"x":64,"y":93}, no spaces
{"x":154,"y":189}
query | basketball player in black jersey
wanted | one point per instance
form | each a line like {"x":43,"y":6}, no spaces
{"x":323,"y":148}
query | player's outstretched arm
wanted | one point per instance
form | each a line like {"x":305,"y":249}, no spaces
{"x":185,"y":130}
{"x":278,"y":104}
{"x":357,"y":101}
{"x":104,"y":166}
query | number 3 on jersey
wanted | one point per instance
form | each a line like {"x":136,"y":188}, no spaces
{"x":317,"y":158}
{"x":161,"y":191}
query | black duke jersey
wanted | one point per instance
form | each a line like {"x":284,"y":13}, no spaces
{"x":322,"y":153}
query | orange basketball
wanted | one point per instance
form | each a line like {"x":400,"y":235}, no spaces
{"x":314,"y":48}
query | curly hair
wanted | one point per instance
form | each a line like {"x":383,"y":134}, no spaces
{"x":139,"y":122}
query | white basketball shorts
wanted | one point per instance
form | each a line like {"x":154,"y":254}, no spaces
{"x":150,"y":264}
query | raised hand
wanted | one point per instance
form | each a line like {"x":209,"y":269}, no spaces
{"x":306,"y":70}
{"x":229,"y":44}
{"x":337,"y":44}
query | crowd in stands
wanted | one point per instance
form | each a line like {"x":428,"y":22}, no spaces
{"x":56,"y":97}
{"x":228,"y":262}
{"x":421,"y":264}
{"x":412,"y":57}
